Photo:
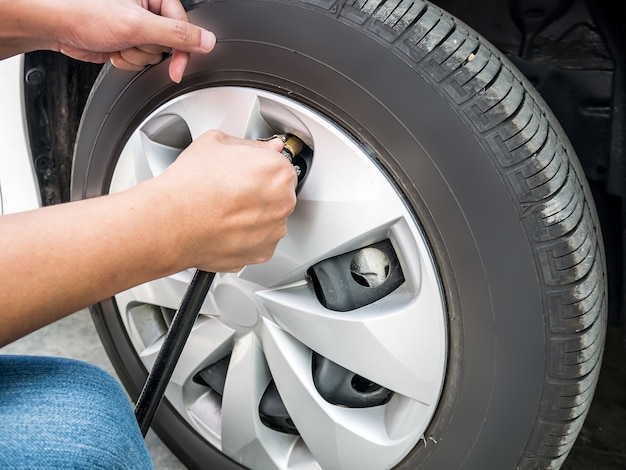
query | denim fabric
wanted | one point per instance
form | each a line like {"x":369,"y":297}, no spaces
{"x":65,"y":414}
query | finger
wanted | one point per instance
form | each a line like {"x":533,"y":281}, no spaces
{"x":174,"y":33}
{"x":153,"y":5}
{"x":227,"y":139}
{"x":84,"y":55}
{"x":295,"y":179}
{"x":118,"y":62}
{"x":173,"y":9}
{"x":154,"y":48}
{"x":140,"y":58}
{"x":273,"y":144}
{"x":276,"y":144}
{"x":178,"y":64}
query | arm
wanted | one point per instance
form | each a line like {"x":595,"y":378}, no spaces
{"x":131,"y":34}
{"x":225,"y":203}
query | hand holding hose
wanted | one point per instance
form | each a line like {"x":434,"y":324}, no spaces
{"x":231,"y":199}
{"x":154,"y":389}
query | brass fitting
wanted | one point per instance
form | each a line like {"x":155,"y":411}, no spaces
{"x":292,"y":146}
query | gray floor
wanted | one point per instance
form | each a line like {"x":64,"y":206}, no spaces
{"x":75,"y":337}
{"x":600,"y":446}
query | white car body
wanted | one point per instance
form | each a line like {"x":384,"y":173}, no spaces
{"x":18,"y":183}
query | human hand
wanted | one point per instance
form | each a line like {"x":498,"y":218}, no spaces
{"x":227,"y":201}
{"x":131,"y":33}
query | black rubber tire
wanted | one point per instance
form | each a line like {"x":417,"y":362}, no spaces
{"x":487,"y":171}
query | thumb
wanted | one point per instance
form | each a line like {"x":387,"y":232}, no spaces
{"x":177,"y":34}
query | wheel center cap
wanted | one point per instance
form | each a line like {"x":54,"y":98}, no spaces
{"x":234,"y":304}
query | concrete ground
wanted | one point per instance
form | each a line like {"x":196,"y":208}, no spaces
{"x":600,"y":446}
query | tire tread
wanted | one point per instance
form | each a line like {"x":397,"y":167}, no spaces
{"x":538,"y":164}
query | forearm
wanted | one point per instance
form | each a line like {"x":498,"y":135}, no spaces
{"x":60,"y":259}
{"x":203,"y":211}
{"x":26,"y":25}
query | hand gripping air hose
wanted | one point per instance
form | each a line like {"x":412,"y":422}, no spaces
{"x":153,"y":390}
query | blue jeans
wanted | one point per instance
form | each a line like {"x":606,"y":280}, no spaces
{"x":60,"y":413}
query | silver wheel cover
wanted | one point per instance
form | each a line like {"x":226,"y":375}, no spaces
{"x":268,"y":317}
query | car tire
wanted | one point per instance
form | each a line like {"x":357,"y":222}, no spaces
{"x":481,"y":164}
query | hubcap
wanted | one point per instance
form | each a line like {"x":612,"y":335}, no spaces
{"x":273,"y":375}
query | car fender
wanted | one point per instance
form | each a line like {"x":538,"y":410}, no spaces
{"x":18,"y":183}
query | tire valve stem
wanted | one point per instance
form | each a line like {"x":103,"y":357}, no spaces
{"x":292,"y":146}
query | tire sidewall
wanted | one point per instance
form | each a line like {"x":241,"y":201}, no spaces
{"x":496,"y":344}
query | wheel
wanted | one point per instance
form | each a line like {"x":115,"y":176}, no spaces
{"x":436,"y":189}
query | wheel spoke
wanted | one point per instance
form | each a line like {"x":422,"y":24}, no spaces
{"x":166,"y":292}
{"x":318,"y":230}
{"x":362,"y":438}
{"x":149,"y":151}
{"x":230,"y":111}
{"x":209,"y":341}
{"x":244,"y":437}
{"x":394,"y":343}
{"x":158,"y":156}
{"x":132,"y":167}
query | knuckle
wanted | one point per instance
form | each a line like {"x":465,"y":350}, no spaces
{"x":282,"y":232}
{"x":214,"y":135}
{"x":217,"y":134}
{"x":287,"y":211}
{"x":261,"y":258}
{"x":182,"y":31}
{"x":285,"y":172}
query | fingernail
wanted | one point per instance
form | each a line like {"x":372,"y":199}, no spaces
{"x":207,"y":40}
{"x":175,"y":78}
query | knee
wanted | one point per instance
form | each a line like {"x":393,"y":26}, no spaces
{"x":77,"y":412}
{"x":103,"y":421}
